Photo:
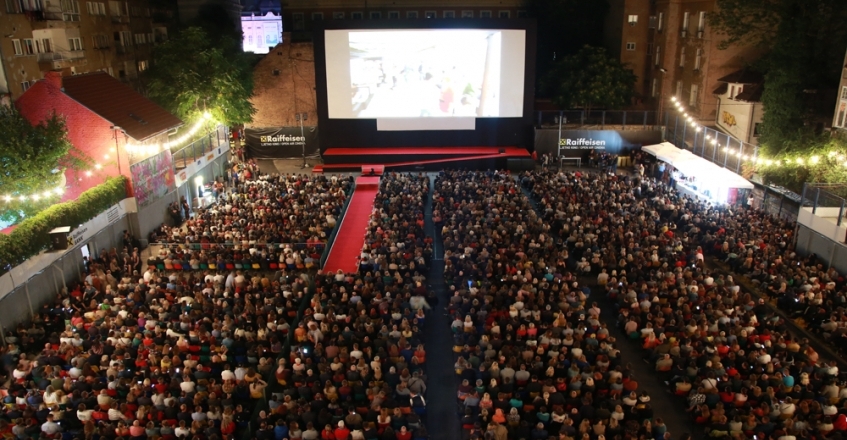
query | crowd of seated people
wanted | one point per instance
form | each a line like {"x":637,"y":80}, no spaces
{"x":533,"y":359}
{"x":357,"y":367}
{"x":136,"y":351}
{"x":727,"y":355}
{"x":261,"y":221}
{"x":159,"y":356}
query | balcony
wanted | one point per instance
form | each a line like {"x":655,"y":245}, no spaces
{"x":62,"y":59}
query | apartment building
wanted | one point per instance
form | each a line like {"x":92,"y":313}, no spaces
{"x":679,"y":53}
{"x":78,"y":36}
{"x":300,"y":15}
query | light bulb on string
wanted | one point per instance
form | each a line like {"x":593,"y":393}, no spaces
{"x":814,"y":159}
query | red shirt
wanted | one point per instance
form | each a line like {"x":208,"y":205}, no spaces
{"x":341,"y":433}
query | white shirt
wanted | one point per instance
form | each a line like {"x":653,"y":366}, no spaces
{"x":50,"y":428}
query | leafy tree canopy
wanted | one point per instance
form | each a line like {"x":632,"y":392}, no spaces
{"x":190,"y":75}
{"x":805,"y":41}
{"x":590,"y":79}
{"x":828,"y":169}
{"x":33,"y":159}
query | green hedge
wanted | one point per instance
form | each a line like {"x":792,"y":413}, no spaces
{"x":31,"y":236}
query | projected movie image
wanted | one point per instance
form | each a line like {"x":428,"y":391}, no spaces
{"x":451,"y":73}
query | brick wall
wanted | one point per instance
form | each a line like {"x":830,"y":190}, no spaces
{"x":278,"y":96}
{"x":87,"y":131}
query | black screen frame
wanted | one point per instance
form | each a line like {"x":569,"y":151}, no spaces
{"x":489,"y":132}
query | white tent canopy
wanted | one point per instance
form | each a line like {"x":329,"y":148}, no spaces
{"x":691,"y":165}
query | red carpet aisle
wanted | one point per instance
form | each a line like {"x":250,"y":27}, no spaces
{"x":351,"y":237}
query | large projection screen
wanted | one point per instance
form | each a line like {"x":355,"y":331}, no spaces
{"x":425,"y":73}
{"x":427,"y":83}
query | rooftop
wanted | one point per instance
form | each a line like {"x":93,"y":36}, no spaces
{"x":119,"y":104}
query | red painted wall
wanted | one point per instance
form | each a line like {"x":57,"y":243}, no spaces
{"x":87,"y":131}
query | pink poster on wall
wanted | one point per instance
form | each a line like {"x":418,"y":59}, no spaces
{"x":153,"y":177}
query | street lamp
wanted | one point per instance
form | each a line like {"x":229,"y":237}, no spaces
{"x":300,"y":117}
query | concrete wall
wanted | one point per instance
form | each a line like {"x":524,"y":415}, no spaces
{"x":824,"y":222}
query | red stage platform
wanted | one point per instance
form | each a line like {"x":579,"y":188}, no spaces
{"x":354,"y":159}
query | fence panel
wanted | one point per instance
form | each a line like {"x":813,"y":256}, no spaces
{"x":14,"y":308}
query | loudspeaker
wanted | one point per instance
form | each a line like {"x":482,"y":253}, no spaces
{"x":59,"y":238}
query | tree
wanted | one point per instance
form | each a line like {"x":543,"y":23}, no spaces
{"x":590,"y":79}
{"x":805,"y":41}
{"x":564,"y":27}
{"x":33,"y":160}
{"x":189,"y":76}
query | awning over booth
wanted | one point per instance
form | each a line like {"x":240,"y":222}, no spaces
{"x":693,"y":165}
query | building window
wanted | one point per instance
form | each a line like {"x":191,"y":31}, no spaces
{"x":13,"y":7}
{"x":338,"y":16}
{"x":430,"y":14}
{"x":452,"y":14}
{"x":682,"y":57}
{"x":630,"y":46}
{"x":678,"y":93}
{"x":661,"y":19}
{"x":17,"y":44}
{"x":394,"y":15}
{"x":653,"y":87}
{"x":692,"y":100}
{"x":658,"y":55}
{"x":317,"y":16}
{"x":75,"y":44}
{"x":701,"y":21}
{"x":504,"y":14}
{"x":685,"y":18}
{"x":96,"y":8}
{"x":357,"y":15}
{"x":697,"y":59}
{"x":651,"y":23}
{"x":100,"y":42}
{"x":633,"y":20}
{"x":484,"y":14}
{"x":299,"y":21}
{"x":757,"y":127}
{"x":70,"y":10}
{"x":142,"y":65}
{"x":731,"y":92}
{"x":28,"y":46}
{"x":376,"y":15}
{"x":467,"y":14}
{"x":521,"y":14}
{"x":44,"y":45}
{"x":844,"y":93}
{"x":841,"y":113}
{"x":411,"y":14}
{"x":25,"y":85}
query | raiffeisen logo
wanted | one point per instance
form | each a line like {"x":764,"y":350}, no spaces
{"x":282,"y":138}
{"x":583,"y":142}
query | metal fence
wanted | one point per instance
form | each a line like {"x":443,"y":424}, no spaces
{"x":602,"y":119}
{"x":197,"y":149}
{"x":825,"y":195}
{"x":826,"y":250}
{"x":715,"y":145}
{"x":27,"y":298}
